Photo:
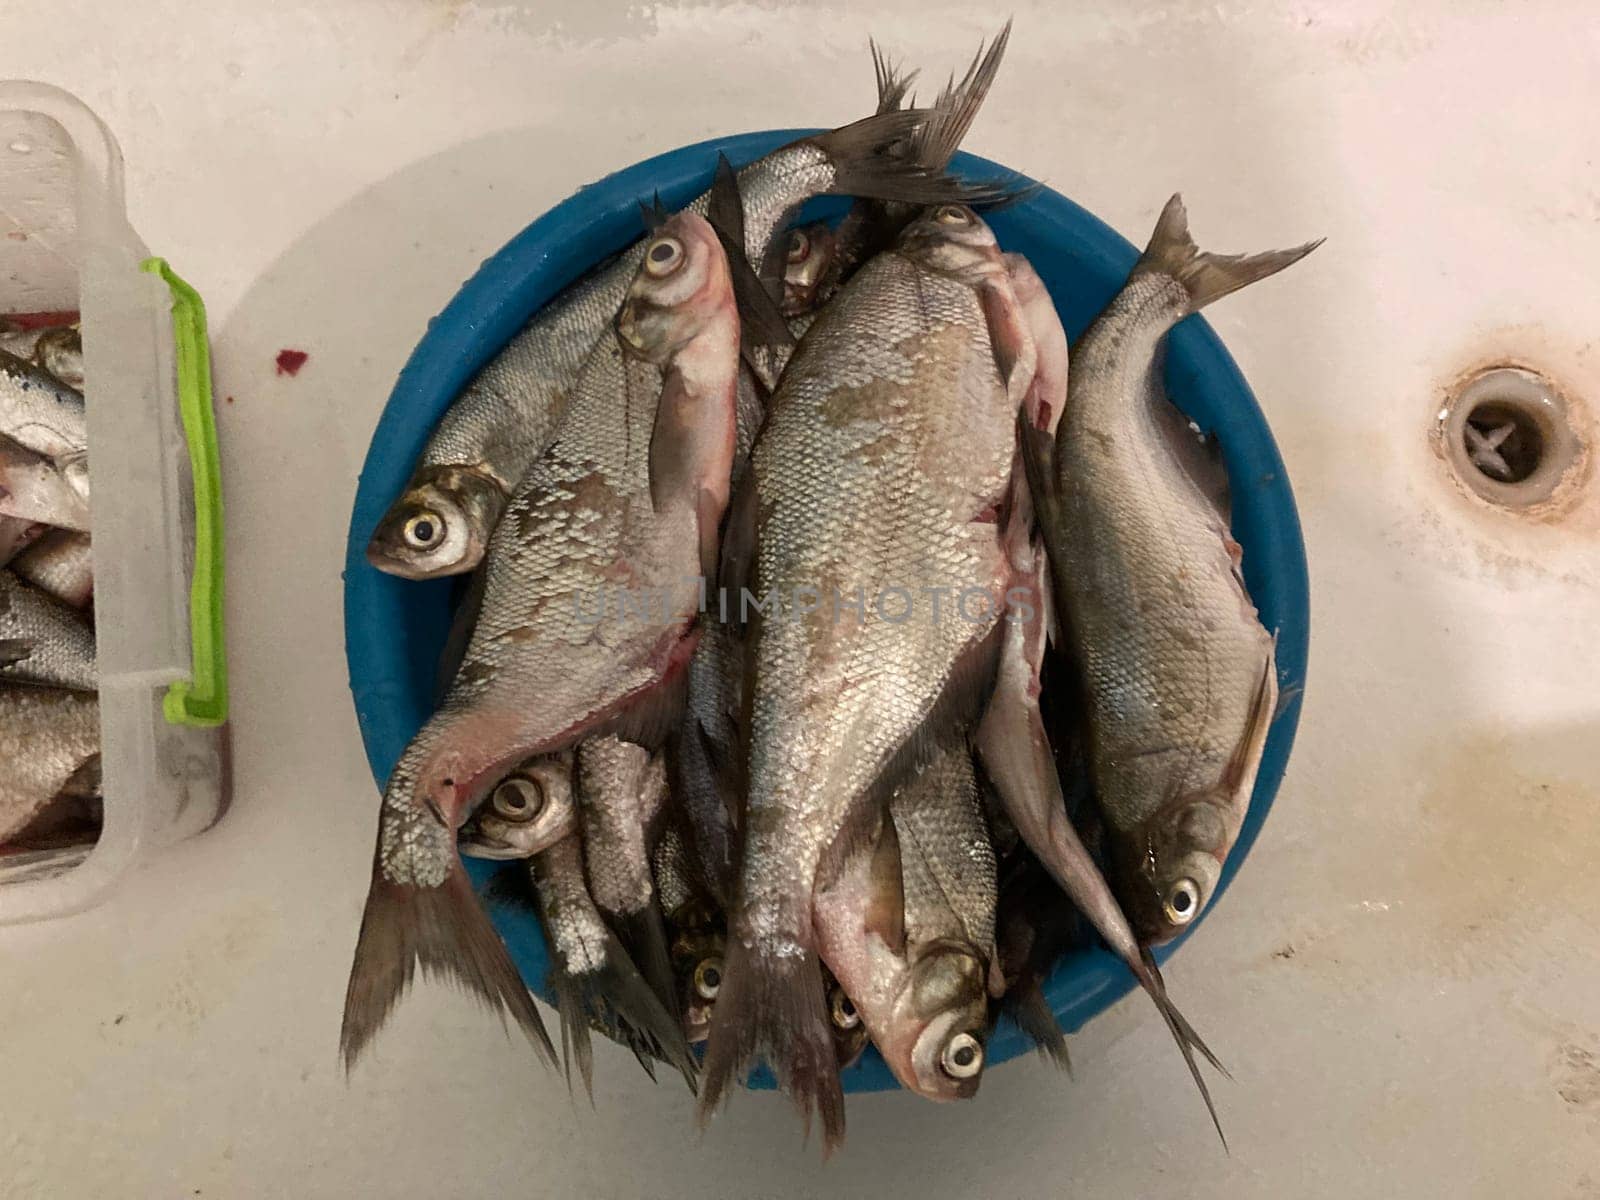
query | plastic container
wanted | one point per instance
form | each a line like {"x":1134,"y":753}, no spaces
{"x":65,"y":245}
{"x":395,"y":628}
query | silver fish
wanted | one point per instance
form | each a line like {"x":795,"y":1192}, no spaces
{"x":40,"y":412}
{"x":882,"y":467}
{"x":808,"y":268}
{"x":46,"y":735}
{"x":516,"y":405}
{"x":1011,"y":737}
{"x":1177,"y":669}
{"x":42,"y":641}
{"x":908,"y":929}
{"x":34,"y":487}
{"x":60,"y":351}
{"x":622,"y":796}
{"x":626,"y":504}
{"x":595,"y":981}
{"x":529,"y":810}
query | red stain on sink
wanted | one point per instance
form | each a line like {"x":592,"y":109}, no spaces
{"x":290,"y":361}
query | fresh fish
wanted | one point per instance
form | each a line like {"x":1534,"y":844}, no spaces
{"x":808,"y":268}
{"x":42,"y":641}
{"x":1011,"y":737}
{"x":529,"y":810}
{"x":19,"y":339}
{"x":882,"y":467}
{"x":60,"y":351}
{"x":622,"y":796}
{"x":1177,"y":669}
{"x":16,"y":535}
{"x":37,"y":488}
{"x":908,"y":929}
{"x":699,"y":942}
{"x":625,"y":504}
{"x":62,"y":564}
{"x":515,"y":407}
{"x":46,"y":735}
{"x":695,"y":926}
{"x":596,"y":983}
{"x":40,"y":412}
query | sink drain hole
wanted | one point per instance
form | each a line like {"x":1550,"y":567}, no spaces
{"x":1509,"y":435}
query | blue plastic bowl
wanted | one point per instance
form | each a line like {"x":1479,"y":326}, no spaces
{"x":395,"y":628}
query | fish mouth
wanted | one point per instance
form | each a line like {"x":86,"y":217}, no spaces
{"x":480,"y":845}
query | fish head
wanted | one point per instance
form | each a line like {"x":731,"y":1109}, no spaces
{"x":697,"y":954}
{"x":439,"y":526}
{"x":809,"y":255}
{"x":1167,"y":876}
{"x":849,"y":1030}
{"x":682,"y":285}
{"x":953,"y":240}
{"x":934,"y":1039}
{"x":528,"y":811}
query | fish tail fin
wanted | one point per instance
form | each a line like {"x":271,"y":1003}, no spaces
{"x":893,"y":83}
{"x":576,"y":1046}
{"x":616,"y":995}
{"x":935,"y":143}
{"x":1031,"y":1012}
{"x":447,"y":932}
{"x":1207,"y":277}
{"x":775,"y":1006}
{"x":1183,"y":1033}
{"x":861,"y":168}
{"x":638,"y":958}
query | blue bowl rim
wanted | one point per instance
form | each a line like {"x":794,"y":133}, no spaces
{"x":391,"y":694}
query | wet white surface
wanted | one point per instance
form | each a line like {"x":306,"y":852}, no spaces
{"x":1405,"y":979}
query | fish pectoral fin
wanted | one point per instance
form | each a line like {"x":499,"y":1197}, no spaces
{"x":886,"y":913}
{"x":1038,"y":450}
{"x":15,"y":650}
{"x":1241,"y":769}
{"x":1011,"y":337}
{"x":655,"y":714}
{"x":739,"y":539}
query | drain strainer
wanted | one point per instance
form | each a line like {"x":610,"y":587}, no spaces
{"x":1510,"y":436}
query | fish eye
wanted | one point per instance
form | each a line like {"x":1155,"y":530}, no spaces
{"x":424,"y":531}
{"x":962,"y":1057}
{"x":664,"y":257}
{"x":518,"y":799}
{"x":708,"y":978}
{"x":844,"y":1011}
{"x":1182,"y":901}
{"x":950,"y":214}
{"x":799,"y":246}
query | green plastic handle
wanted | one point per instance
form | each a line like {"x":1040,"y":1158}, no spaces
{"x":201,"y":701}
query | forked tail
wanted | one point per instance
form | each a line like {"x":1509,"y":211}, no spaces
{"x":775,"y":1007}
{"x":1205,"y":276}
{"x":447,"y":932}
